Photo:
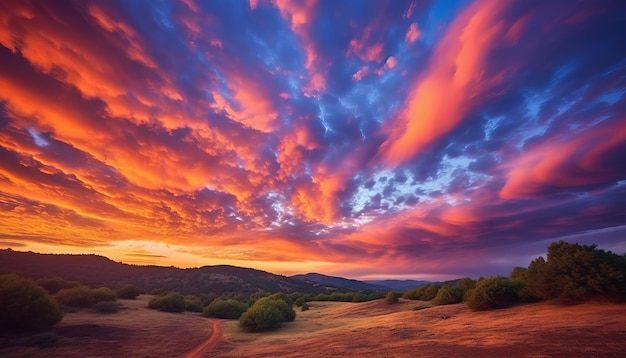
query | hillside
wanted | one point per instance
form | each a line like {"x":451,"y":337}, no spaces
{"x":99,"y":270}
{"x":339,"y":282}
{"x":398,"y":285}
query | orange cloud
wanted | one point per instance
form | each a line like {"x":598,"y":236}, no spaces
{"x":453,"y":83}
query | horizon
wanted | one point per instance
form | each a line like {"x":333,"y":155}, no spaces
{"x":428,"y":140}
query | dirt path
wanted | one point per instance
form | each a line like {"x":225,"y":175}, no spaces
{"x":202,"y":349}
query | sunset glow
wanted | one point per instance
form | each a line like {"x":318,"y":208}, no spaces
{"x":365,"y":139}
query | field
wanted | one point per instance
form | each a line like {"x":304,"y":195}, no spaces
{"x":331,"y":329}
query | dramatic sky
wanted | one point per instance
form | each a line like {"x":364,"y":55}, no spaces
{"x":366,"y":139}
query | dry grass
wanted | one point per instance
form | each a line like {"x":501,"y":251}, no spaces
{"x":370,"y":329}
{"x":134,"y":331}
{"x":377,"y":329}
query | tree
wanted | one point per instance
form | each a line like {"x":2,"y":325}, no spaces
{"x":25,"y":305}
{"x":574,"y":273}
{"x":266,"y":313}
{"x":172,"y":302}
{"x":491,"y":293}
{"x":448,"y":295}
{"x":225,"y":308}
{"x":128,"y":292}
{"x":83,"y":296}
{"x":392,"y":297}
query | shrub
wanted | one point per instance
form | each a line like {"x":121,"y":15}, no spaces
{"x":128,"y":292}
{"x":305,"y":307}
{"x":106,"y":307}
{"x":392,"y":297}
{"x":225,"y":308}
{"x":448,"y":295}
{"x":171,"y":302}
{"x":430,"y":292}
{"x":193,"y":303}
{"x":83,"y":296}
{"x":465,"y":284}
{"x":55,"y":284}
{"x":492,"y":293}
{"x":25,"y":305}
{"x":266,"y":313}
{"x":575,"y":273}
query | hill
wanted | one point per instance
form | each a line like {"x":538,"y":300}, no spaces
{"x":398,"y":285}
{"x":339,"y":282}
{"x":98,"y":270}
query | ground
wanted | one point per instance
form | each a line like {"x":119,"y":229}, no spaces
{"x":332,"y":329}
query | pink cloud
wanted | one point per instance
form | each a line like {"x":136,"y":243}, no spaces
{"x":413,"y":33}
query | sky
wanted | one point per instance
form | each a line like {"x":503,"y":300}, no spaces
{"x":364,"y":139}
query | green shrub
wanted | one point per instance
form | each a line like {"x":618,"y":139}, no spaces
{"x":465,"y":284}
{"x":392,"y":297}
{"x":492,"y":293}
{"x":171,"y":302}
{"x":193,"y":303}
{"x":128,"y":292}
{"x":55,"y":284}
{"x":106,"y":307}
{"x":448,"y":295}
{"x":25,"y":305}
{"x":575,"y":273}
{"x":430,"y":292}
{"x":305,"y":307}
{"x":83,"y":296}
{"x":265,"y":314}
{"x":225,"y":308}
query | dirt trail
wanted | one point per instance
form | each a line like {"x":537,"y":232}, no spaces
{"x":202,"y":349}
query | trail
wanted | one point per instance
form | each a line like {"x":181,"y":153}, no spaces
{"x":202,"y":349}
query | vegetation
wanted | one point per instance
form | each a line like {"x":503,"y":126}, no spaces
{"x":128,"y":292}
{"x":83,"y":296}
{"x":491,"y":293}
{"x":424,"y":293}
{"x":171,"y":302}
{"x":448,"y":295}
{"x":106,"y":307}
{"x":574,"y":273}
{"x":392,"y":297}
{"x":348,"y":296}
{"x":267,"y":313}
{"x":55,"y":284}
{"x":305,"y":307}
{"x":193,"y":303}
{"x":225,"y":308}
{"x":25,"y":305}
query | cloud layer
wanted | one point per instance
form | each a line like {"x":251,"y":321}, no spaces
{"x":375,"y":139}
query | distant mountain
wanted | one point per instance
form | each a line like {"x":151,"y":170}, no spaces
{"x":210,"y":281}
{"x":398,"y":285}
{"x":340,"y":282}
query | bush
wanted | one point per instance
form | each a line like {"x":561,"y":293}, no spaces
{"x":575,"y":273}
{"x":25,"y":305}
{"x":172,"y":302}
{"x":448,"y":295}
{"x":55,"y":284}
{"x":193,"y":303}
{"x":492,"y":293}
{"x":392,"y":297}
{"x":225,"y":308}
{"x":305,"y":307}
{"x":128,"y":292}
{"x":83,"y":296}
{"x":265,"y":314}
{"x":106,"y":307}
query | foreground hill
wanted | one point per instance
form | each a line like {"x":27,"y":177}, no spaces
{"x":99,"y":270}
{"x":378,"y":329}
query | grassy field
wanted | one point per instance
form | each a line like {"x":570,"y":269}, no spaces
{"x":134,"y":331}
{"x":377,"y":329}
{"x":333,"y":329}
